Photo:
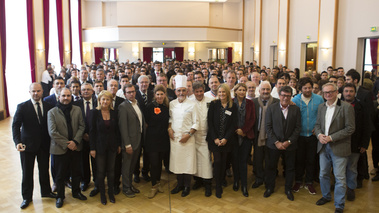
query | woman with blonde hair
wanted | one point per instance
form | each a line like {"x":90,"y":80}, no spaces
{"x":171,"y":83}
{"x":105,"y":143}
{"x":222,"y":123}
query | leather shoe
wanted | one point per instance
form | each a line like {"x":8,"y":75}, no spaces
{"x":197,"y":185}
{"x":83,"y":186}
{"x":177,"y":189}
{"x":375,"y":178}
{"x":338,"y":210}
{"x":268,"y":193}
{"x":134,"y":189}
{"x":256,"y":184}
{"x":103,"y":200}
{"x":236,"y":185}
{"x":117,"y":190}
{"x":80,"y":196}
{"x":50,"y":195}
{"x":68,"y":184}
{"x":59,"y":203}
{"x":290,"y":195}
{"x":186,"y":191}
{"x":219,"y":191}
{"x":350,"y":194}
{"x":137,"y":179}
{"x":25,"y":203}
{"x":322,"y":201}
{"x":244,"y":191}
{"x":129,"y":193}
{"x":112,"y":199}
{"x":208,"y":190}
{"x":146,"y":177}
{"x":94,"y":192}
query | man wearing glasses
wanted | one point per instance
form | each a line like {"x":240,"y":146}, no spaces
{"x":334,"y":126}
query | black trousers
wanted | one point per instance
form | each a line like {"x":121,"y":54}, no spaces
{"x":375,"y":148}
{"x":184,"y":180}
{"x":156,"y":166}
{"x":105,"y":164}
{"x":219,"y":166}
{"x":240,"y":156}
{"x":27,"y":165}
{"x":85,"y":164}
{"x":271,"y":168}
{"x":145,"y":164}
{"x":306,"y":153}
{"x":117,"y":169}
{"x":64,"y":164}
{"x":259,"y":162}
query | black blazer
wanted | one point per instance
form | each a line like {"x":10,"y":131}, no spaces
{"x":231,"y":123}
{"x":118,"y":102}
{"x":101,"y":137}
{"x":81,"y":103}
{"x":51,"y":99}
{"x":27,"y":130}
{"x":171,"y":94}
{"x":141,"y":103}
{"x":274,"y":126}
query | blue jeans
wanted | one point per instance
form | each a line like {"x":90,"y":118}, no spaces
{"x":351,"y":170}
{"x":327,"y":160}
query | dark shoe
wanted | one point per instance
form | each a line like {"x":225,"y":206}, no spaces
{"x":290,"y":195}
{"x":359,"y":184}
{"x":137,"y":179}
{"x":197,"y":185}
{"x":146,"y":177}
{"x":229,"y":173}
{"x":208,"y":190}
{"x":25,"y":203}
{"x":310,"y":188}
{"x":80,"y":196}
{"x":218,"y":191}
{"x":268,"y":193}
{"x":94,"y":192}
{"x":103,"y":199}
{"x":322,"y":201}
{"x":129,"y":193}
{"x":134,"y":189}
{"x":50,"y":195}
{"x":236,"y":185}
{"x":244,"y":191}
{"x":186,"y":191}
{"x":367,"y":176}
{"x":224,"y":183}
{"x":177,"y":189}
{"x":68,"y":184}
{"x":376,"y":178}
{"x":297,"y":187}
{"x":350,"y":194}
{"x":111,"y":198}
{"x":83,"y":186}
{"x":256,"y":184}
{"x":338,"y":210}
{"x":54,"y":188}
{"x":59,"y":203}
{"x":116,"y":190}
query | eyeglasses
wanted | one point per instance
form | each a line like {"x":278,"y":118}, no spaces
{"x":329,"y":92}
{"x":333,"y":82}
{"x":286,"y":96}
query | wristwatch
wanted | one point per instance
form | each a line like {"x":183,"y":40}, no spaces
{"x":190,"y":134}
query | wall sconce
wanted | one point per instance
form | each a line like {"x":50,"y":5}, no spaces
{"x":191,"y":51}
{"x":40,"y":50}
{"x":256,"y":52}
{"x":325,"y":48}
{"x":135,"y":51}
{"x":67,"y":51}
{"x":282,"y":50}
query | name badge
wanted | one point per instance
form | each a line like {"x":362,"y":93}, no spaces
{"x":228,"y":112}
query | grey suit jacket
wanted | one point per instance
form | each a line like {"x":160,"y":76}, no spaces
{"x":129,"y":124}
{"x":341,"y":128}
{"x":57,"y":127}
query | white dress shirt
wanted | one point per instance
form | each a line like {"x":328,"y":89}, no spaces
{"x":35,"y":106}
{"x":138,"y":111}
{"x":329,"y":115}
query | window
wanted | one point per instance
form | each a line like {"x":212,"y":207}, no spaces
{"x":53,"y":57}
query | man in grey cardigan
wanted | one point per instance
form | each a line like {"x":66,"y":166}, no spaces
{"x":66,"y":127}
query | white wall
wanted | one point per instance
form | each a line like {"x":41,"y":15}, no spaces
{"x":92,"y":14}
{"x":249,"y":29}
{"x":269,"y":29}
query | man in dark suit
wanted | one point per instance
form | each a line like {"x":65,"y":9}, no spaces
{"x":86,"y":104}
{"x":32,"y":140}
{"x":283,"y":126}
{"x":84,"y":76}
{"x":58,"y":85}
{"x":334,"y":126}
{"x":143,"y":97}
{"x":199,"y":77}
{"x":66,"y":127}
{"x":100,"y":76}
{"x":261,"y":103}
{"x":131,"y":124}
{"x":155,"y":72}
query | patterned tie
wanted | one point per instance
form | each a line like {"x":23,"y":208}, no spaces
{"x":39,"y":113}
{"x":87,"y":112}
{"x":144,"y":98}
{"x":264,"y":102}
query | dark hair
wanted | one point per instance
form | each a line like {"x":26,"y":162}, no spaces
{"x":303,"y":81}
{"x":128,"y":85}
{"x":339,"y":68}
{"x":125,"y":76}
{"x":198,"y":85}
{"x":286,"y":89}
{"x":74,"y":82}
{"x":264,"y":72}
{"x":333,"y":77}
{"x":198,"y":73}
{"x":324,"y":72}
{"x":354,"y":74}
{"x":350,"y":85}
{"x":286,"y":75}
{"x":58,"y":78}
{"x":330,"y":67}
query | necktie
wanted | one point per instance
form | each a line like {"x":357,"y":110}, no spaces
{"x":39,"y":111}
{"x":264,"y":102}
{"x":76,"y":98}
{"x":87,"y":112}
{"x":144,"y":98}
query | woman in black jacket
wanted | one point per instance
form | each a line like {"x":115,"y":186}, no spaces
{"x":105,"y":143}
{"x":222,"y":124}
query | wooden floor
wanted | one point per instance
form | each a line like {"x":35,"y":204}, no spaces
{"x":10,"y":196}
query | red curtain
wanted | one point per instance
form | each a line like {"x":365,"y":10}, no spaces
{"x":69,"y":25}
{"x":179,"y":53}
{"x":29,"y":19}
{"x":80,"y":30}
{"x":115,"y":53}
{"x":3,"y":52}
{"x":60,"y":29}
{"x":374,"y":52}
{"x":230,"y":54}
{"x":147,"y":54}
{"x":46,"y":27}
{"x":99,"y":53}
{"x":167,"y":52}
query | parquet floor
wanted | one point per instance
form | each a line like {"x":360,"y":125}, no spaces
{"x":10,"y":196}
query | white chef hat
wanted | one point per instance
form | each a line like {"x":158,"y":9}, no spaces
{"x":180,"y":81}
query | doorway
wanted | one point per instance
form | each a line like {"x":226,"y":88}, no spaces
{"x":310,"y":56}
{"x":273,"y":56}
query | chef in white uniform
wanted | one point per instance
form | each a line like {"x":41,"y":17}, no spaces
{"x":183,"y":123}
{"x":204,"y":174}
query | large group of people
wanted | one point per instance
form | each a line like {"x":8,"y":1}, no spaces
{"x":200,"y":120}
